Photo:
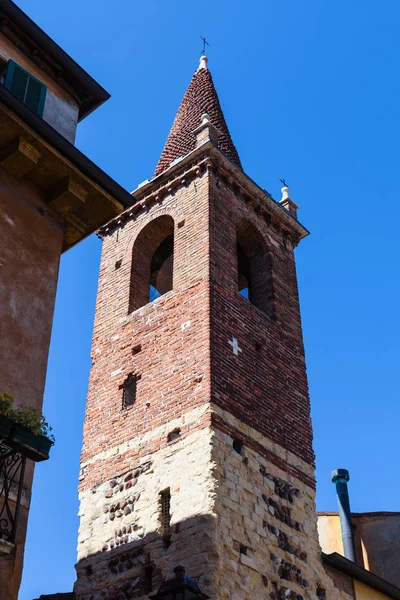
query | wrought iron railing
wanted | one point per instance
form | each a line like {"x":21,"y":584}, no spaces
{"x":12,"y":470}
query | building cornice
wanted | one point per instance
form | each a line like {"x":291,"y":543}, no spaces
{"x":208,"y":157}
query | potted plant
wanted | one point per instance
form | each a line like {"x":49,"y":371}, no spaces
{"x":25,"y":429}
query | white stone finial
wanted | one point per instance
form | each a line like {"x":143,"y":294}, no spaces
{"x":203,"y":63}
{"x":285,"y":193}
{"x":205,"y":118}
{"x":287,"y":202}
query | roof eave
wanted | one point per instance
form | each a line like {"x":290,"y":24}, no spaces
{"x":66,"y":162}
{"x":62,"y":145}
{"x":73,"y":74}
{"x":347,"y":567}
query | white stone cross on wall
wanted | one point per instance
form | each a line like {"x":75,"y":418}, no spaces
{"x":235,"y":346}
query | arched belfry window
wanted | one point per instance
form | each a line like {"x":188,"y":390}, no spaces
{"x":152,"y":262}
{"x":161,"y":268}
{"x":254,"y":268}
{"x":244,"y":274}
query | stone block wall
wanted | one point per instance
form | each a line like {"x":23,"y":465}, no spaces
{"x":242,"y":524}
{"x":267,"y":528}
{"x":125,"y":550}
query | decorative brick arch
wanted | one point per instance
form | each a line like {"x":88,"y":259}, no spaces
{"x":152,"y":261}
{"x":254,"y":268}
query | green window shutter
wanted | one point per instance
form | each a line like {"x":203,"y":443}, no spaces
{"x":42,"y":98}
{"x":32,"y":94}
{"x":25,"y":87}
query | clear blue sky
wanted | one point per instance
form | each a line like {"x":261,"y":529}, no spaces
{"x":311,"y":92}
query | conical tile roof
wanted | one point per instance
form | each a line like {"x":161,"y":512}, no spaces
{"x":200,"y":97}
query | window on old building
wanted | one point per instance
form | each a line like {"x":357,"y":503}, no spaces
{"x":254,"y":273}
{"x":25,"y":87}
{"x":161,"y":268}
{"x":152,"y":262}
{"x":148,"y":579}
{"x":165,"y":510}
{"x":174,"y":435}
{"x":129,"y":391}
{"x":243,"y":273}
{"x":237,"y":445}
{"x":165,"y":517}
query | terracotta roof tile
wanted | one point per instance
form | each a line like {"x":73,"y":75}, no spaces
{"x":200,"y":97}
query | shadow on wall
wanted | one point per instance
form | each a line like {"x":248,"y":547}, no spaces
{"x":377,"y":541}
{"x":133,"y":565}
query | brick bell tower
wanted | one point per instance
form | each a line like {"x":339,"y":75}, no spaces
{"x":197,"y":438}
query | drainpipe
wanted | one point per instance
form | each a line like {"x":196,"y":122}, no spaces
{"x":340,"y":477}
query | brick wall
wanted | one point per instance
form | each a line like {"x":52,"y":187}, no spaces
{"x":266,"y":384}
{"x":170,"y":336}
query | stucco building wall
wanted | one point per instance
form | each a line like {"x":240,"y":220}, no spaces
{"x":29,"y":251}
{"x":30,"y":246}
{"x":376,"y":539}
{"x":61,"y":110}
{"x":364,"y":592}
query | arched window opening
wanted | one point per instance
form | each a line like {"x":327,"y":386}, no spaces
{"x":243,"y":273}
{"x":152,"y":262}
{"x":161,"y":268}
{"x":254,"y":268}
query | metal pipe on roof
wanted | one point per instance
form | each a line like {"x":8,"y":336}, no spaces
{"x":340,"y":477}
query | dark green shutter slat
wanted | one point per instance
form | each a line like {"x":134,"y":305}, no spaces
{"x":43,"y":91}
{"x":32,"y":96}
{"x":18,"y":83}
{"x":10,"y":74}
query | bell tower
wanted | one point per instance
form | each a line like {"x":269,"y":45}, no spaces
{"x":197,"y":439}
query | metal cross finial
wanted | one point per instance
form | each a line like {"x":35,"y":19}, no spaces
{"x":283,"y":183}
{"x":205,"y":43}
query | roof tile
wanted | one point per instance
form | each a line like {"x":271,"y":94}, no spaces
{"x":200,"y":97}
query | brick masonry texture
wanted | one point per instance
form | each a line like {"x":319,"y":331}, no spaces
{"x":243,"y":524}
{"x":172,"y":356}
{"x":268,"y":379}
{"x":200,"y":97}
